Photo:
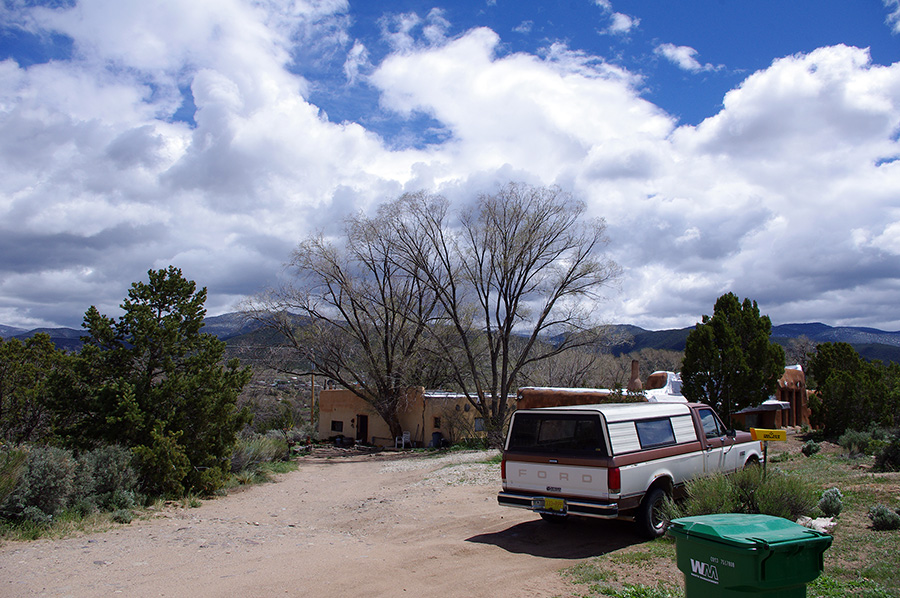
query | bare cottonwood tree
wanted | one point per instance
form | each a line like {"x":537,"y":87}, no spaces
{"x":572,"y":369}
{"x":799,"y":351}
{"x":581,"y":367}
{"x":515,"y":278}
{"x":364,"y":315}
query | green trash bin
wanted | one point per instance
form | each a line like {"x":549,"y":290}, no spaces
{"x":733,"y":555}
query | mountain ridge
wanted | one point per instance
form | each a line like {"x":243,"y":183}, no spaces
{"x":871,"y":343}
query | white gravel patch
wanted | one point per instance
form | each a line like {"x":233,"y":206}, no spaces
{"x":464,"y":468}
{"x":467,"y":474}
{"x":429,"y":462}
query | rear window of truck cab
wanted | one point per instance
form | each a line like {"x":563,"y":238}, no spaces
{"x":564,"y":433}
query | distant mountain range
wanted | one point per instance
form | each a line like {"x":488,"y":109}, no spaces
{"x":870,"y":343}
{"x":233,"y":328}
{"x":225,"y":327}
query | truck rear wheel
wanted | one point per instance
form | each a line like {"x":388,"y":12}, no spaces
{"x":650,"y":520}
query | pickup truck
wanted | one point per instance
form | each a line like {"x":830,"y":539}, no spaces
{"x":615,"y":461}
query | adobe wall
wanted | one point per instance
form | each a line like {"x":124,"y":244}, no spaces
{"x":451,"y":415}
{"x":792,"y":389}
{"x":532,"y":397}
{"x":340,"y":408}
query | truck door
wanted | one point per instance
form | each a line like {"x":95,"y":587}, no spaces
{"x":714,"y":432}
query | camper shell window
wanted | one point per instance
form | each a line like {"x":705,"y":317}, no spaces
{"x":568,"y":433}
{"x":655,"y":432}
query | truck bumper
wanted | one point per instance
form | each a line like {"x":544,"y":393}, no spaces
{"x":576,"y":506}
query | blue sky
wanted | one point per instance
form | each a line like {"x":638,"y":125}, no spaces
{"x":731,"y":146}
{"x":726,"y":40}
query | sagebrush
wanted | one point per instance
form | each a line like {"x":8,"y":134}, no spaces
{"x":52,"y":480}
{"x":751,"y":490}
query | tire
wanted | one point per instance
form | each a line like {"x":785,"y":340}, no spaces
{"x":751,"y":462}
{"x":650,"y":521}
{"x":554,"y":519}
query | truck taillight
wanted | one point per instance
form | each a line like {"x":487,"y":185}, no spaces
{"x":613,"y":480}
{"x":503,"y":469}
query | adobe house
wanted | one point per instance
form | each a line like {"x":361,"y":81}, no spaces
{"x":788,"y":407}
{"x":342,"y":413}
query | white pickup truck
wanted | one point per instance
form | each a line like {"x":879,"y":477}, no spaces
{"x":615,"y":461}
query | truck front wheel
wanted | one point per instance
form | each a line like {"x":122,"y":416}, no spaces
{"x":650,"y":520}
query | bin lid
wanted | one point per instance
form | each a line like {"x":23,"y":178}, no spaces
{"x":749,"y":531}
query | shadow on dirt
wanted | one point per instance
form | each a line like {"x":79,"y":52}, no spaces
{"x":577,"y":538}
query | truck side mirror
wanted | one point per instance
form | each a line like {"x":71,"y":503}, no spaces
{"x":731,"y":433}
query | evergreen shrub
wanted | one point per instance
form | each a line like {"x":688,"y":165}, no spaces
{"x":888,"y":458}
{"x":832,"y":502}
{"x":884,"y":518}
{"x":810,"y":448}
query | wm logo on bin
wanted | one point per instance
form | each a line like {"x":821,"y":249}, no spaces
{"x":704,"y":571}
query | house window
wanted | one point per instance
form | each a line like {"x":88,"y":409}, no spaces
{"x":437,"y":423}
{"x":337,"y":426}
{"x":479,"y":424}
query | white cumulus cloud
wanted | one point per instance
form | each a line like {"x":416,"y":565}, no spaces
{"x":787,"y":195}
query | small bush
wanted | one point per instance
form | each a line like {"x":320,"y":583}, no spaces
{"x":46,"y":483}
{"x":163,"y":463}
{"x":12,"y":462}
{"x":810,"y":448}
{"x":106,"y":478}
{"x":112,"y":469}
{"x":84,"y":507}
{"x":888,"y":459}
{"x":472,"y":443}
{"x":884,"y":518}
{"x":787,"y":496}
{"x":120,"y":499}
{"x":832,"y":502}
{"x":856,"y":442}
{"x":706,"y":495}
{"x":123,"y":516}
{"x":251,"y":451}
{"x":37,"y":516}
{"x":780,"y":457}
{"x":745,"y":484}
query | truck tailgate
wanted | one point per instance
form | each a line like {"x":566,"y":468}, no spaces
{"x":553,"y":479}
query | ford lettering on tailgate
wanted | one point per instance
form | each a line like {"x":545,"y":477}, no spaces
{"x":584,"y":481}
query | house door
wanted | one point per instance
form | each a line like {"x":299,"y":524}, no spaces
{"x":362,"y":428}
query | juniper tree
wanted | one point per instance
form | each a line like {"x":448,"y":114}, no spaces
{"x":729,"y":361}
{"x":153,"y":381}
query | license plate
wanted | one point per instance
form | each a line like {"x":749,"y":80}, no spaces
{"x":554,"y":505}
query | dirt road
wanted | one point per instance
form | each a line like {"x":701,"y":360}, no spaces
{"x":353,"y":526}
